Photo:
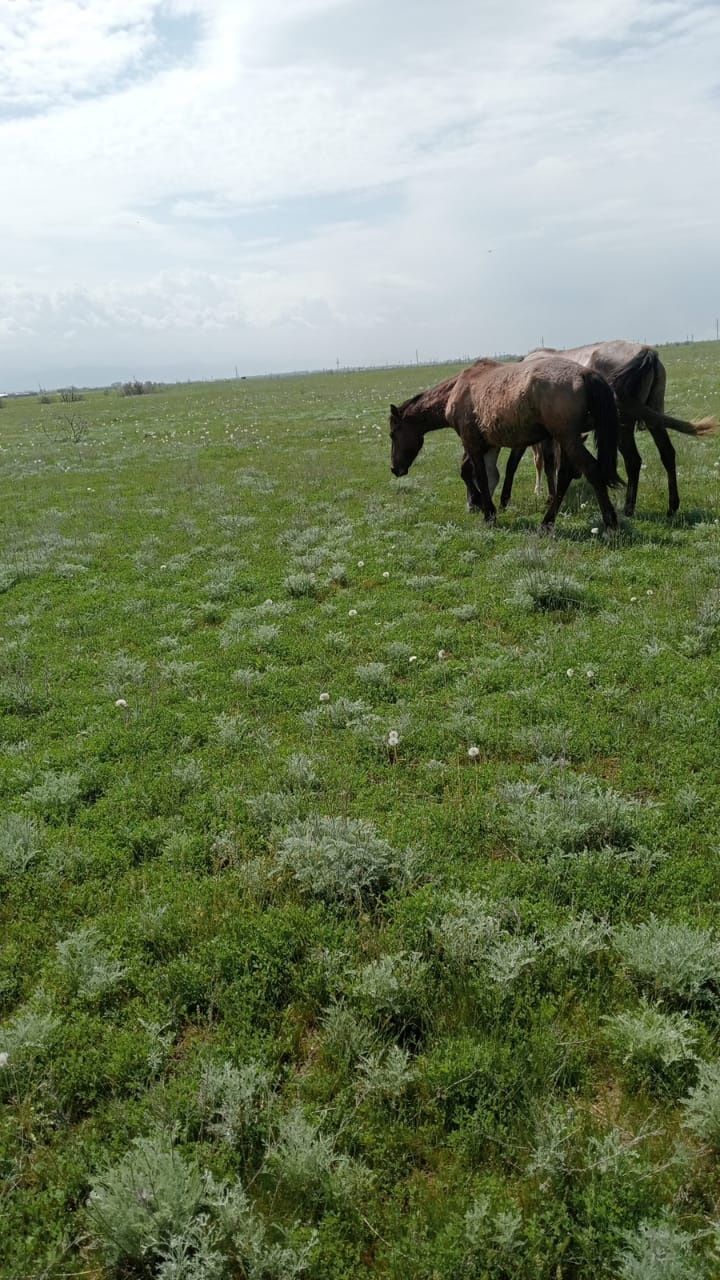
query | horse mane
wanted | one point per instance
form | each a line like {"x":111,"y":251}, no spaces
{"x":434,"y":399}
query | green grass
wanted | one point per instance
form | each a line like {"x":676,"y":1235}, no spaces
{"x":289,"y":995}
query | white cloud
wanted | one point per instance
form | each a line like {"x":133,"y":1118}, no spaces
{"x":533,"y":171}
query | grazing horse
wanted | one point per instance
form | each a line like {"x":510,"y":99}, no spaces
{"x":492,"y":405}
{"x":426,"y":412}
{"x":637,"y":376}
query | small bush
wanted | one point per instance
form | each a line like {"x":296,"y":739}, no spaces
{"x":19,"y":843}
{"x":702,"y":1106}
{"x":671,"y":959}
{"x":301,"y":584}
{"x":547,"y":592}
{"x":393,"y":988}
{"x":571,"y":814}
{"x":57,"y":794}
{"x":89,"y":972}
{"x":25,"y":1038}
{"x":650,"y":1041}
{"x":234,"y":1103}
{"x":139,"y":1206}
{"x":343,"y":860}
{"x":659,"y":1251}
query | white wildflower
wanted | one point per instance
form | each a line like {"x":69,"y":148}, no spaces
{"x":633,"y":599}
{"x":393,"y":738}
{"x":649,"y":592}
{"x":386,"y":573}
{"x":442,"y":654}
{"x":324,"y":697}
{"x":413,"y":657}
{"x":473,"y":752}
{"x":352,"y":613}
{"x":570,"y":672}
{"x":595,"y":531}
{"x":4,"y":1059}
{"x":591,"y":673}
{"x":361,"y":564}
{"x":120,"y":702}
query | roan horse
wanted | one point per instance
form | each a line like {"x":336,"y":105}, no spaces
{"x":637,"y":376}
{"x":493,"y":405}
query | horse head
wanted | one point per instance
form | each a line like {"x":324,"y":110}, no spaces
{"x":406,"y":441}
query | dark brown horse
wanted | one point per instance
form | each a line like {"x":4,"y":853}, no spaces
{"x":638,"y":378}
{"x":493,"y":405}
{"x":426,"y":412}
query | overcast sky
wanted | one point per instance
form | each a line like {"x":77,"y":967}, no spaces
{"x":191,"y":185}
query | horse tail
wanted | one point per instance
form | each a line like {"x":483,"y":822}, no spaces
{"x":627,"y":382}
{"x":652,"y":418}
{"x":606,"y":426}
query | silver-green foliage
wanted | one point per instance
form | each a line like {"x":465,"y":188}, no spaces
{"x":671,"y":959}
{"x":342,"y":860}
{"x":234,"y":1101}
{"x":85,"y":965}
{"x":545,"y":591}
{"x":702,"y":1106}
{"x":137,"y":1207}
{"x":20,"y":842}
{"x":648,"y":1037}
{"x":572,"y":813}
{"x":659,"y":1251}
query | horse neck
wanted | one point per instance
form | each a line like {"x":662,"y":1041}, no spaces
{"x":426,"y":418}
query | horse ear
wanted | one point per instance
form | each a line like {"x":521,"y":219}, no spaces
{"x":394,"y":412}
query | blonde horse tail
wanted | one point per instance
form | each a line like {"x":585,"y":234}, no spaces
{"x":652,"y":418}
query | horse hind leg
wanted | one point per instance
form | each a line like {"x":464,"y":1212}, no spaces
{"x":666,"y":450}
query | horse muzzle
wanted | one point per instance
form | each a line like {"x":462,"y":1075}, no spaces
{"x":399,"y":471}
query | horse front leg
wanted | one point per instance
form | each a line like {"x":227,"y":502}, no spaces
{"x":476,"y":456}
{"x":474,"y":496}
{"x":632,"y":460}
{"x":513,"y":463}
{"x":588,"y":466}
{"x":566,"y":472}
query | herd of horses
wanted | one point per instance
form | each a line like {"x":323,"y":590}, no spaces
{"x":550,"y":400}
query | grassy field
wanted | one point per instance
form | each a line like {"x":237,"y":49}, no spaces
{"x":359,"y":864}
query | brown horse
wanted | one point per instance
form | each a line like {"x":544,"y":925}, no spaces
{"x":492,"y":405}
{"x":426,"y":412}
{"x":638,"y":378}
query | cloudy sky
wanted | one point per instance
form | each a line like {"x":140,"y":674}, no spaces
{"x":191,"y":185}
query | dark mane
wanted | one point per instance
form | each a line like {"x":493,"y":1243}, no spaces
{"x":433,"y":401}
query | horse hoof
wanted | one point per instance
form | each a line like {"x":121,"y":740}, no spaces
{"x":629,"y":509}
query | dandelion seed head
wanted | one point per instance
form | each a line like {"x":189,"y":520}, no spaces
{"x":473,"y":752}
{"x":120,"y":702}
{"x":361,"y":564}
{"x":386,"y":574}
{"x":633,"y":599}
{"x":324,"y":697}
{"x":442,"y":654}
{"x":413,"y":657}
{"x":352,"y":613}
{"x":393,"y":738}
{"x":570,"y":672}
